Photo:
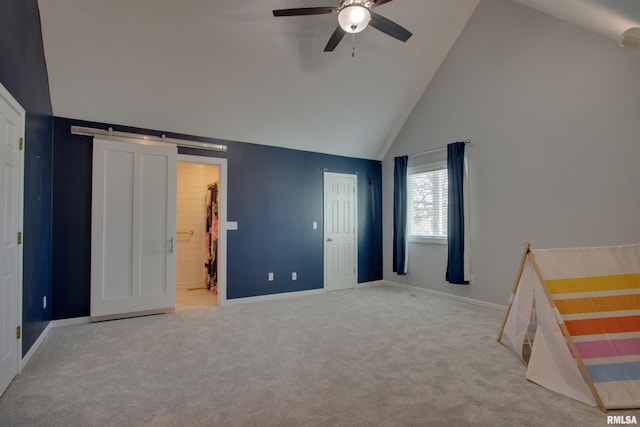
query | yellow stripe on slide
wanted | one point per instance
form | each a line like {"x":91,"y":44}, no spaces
{"x":594,"y":284}
{"x":600,"y":304}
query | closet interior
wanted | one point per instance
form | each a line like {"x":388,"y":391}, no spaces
{"x":198,"y":203}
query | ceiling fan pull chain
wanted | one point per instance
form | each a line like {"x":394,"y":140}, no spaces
{"x":353,"y":41}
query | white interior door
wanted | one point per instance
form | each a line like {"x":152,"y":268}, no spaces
{"x":133,"y":228}
{"x":340,"y":231}
{"x":11,"y":130}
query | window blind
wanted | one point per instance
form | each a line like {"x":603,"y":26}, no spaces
{"x":428,"y":194}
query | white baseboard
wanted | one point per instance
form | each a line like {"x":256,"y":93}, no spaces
{"x":52,"y":324}
{"x":294,"y":294}
{"x":466,"y":300}
{"x":368,"y":284}
{"x":25,"y":359}
{"x":273,"y":297}
{"x":70,"y":322}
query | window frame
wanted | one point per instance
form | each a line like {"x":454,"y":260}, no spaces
{"x":416,"y":169}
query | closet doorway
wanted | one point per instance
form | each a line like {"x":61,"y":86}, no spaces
{"x":199,"y":232}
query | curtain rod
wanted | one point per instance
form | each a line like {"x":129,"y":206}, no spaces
{"x":467,"y":141}
{"x":79,"y":130}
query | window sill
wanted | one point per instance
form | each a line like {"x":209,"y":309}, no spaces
{"x":428,"y":240}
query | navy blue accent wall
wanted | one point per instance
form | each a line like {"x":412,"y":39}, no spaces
{"x":23,"y":72}
{"x":72,"y":158}
{"x":274,"y":194}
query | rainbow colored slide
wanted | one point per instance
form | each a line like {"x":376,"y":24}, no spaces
{"x":587,"y":322}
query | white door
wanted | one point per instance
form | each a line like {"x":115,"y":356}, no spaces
{"x":133,"y":228}
{"x":11,"y":130}
{"x":340,"y":250}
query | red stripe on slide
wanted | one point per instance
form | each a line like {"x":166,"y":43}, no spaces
{"x":605,"y":325}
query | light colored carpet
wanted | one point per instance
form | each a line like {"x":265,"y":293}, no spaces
{"x":187,"y":299}
{"x":368,"y":357}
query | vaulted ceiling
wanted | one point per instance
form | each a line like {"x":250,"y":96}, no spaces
{"x":228,"y":69}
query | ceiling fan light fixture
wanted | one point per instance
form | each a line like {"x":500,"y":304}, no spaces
{"x":354,"y":18}
{"x":631,"y":38}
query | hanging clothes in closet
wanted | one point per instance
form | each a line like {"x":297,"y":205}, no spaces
{"x":212,"y":237}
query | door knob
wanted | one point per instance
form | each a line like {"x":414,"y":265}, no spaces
{"x":329,"y":239}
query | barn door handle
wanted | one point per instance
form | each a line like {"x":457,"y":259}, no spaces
{"x":171,"y":245}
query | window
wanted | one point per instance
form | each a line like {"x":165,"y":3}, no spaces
{"x":427,"y":203}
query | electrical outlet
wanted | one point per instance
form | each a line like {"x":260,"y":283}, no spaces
{"x":271,"y":277}
{"x":44,"y":301}
{"x":294,"y":276}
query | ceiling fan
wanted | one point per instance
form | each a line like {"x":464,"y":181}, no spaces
{"x":353,"y":17}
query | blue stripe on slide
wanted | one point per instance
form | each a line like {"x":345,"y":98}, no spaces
{"x":614,"y":372}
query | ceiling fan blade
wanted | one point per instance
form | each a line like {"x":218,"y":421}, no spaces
{"x":301,"y":11}
{"x":336,"y":37}
{"x":389,"y":27}
{"x":380,"y":2}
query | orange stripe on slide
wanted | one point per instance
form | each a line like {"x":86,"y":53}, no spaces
{"x":594,"y":284}
{"x":605,"y":325}
{"x":594,"y":305}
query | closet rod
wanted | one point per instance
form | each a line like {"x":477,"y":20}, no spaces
{"x":467,"y":141}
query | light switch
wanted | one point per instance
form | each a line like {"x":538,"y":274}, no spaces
{"x":232,"y":225}
{"x":315,"y":225}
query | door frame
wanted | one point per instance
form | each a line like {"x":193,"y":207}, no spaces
{"x":324,"y":222}
{"x":13,"y":103}
{"x":222,"y":218}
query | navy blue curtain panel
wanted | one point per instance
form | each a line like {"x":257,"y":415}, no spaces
{"x":400,"y":214}
{"x":455,"y":220}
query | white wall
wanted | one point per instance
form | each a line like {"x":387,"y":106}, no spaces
{"x":553,"y":112}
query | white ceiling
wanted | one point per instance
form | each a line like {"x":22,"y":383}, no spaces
{"x":609,"y":18}
{"x":228,"y":69}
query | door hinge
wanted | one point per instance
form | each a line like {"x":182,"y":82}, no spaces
{"x":18,"y":332}
{"x":21,"y":144}
{"x":19,"y":237}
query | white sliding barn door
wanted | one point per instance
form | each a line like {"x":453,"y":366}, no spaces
{"x":340,"y":250}
{"x":133,"y":228}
